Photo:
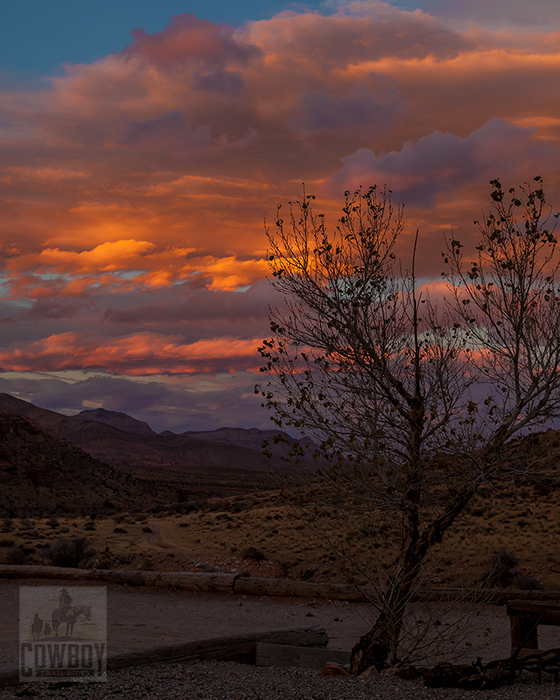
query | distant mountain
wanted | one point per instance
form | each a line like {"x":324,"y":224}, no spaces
{"x":119,"y":420}
{"x":147,"y":455}
{"x":252,"y":438}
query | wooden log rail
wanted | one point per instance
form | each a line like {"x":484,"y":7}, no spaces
{"x":526,"y":616}
{"x":254,"y":585}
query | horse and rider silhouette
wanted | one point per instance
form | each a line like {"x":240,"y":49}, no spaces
{"x":68,"y":613}
{"x":36,"y":627}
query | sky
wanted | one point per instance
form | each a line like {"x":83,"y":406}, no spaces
{"x":143,"y":144}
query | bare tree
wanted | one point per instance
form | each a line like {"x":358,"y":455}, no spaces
{"x":387,"y":382}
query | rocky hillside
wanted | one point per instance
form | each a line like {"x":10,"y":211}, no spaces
{"x":41,"y":474}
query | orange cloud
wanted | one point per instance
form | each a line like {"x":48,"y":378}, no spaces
{"x":134,"y":355}
{"x":105,"y":265}
{"x":105,"y":257}
{"x":141,"y":180}
{"x":200,"y":130}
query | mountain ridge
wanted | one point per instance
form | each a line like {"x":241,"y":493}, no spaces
{"x":144,"y":452}
{"x":117,"y":419}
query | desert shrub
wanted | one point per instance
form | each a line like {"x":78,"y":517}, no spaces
{"x":156,"y":509}
{"x":6,"y":543}
{"x":26,"y":524}
{"x":120,"y":530}
{"x":17,"y":556}
{"x":254,"y":554}
{"x":223,"y":516}
{"x":527,"y":583}
{"x":285,"y":568}
{"x":501,"y":569}
{"x":90,"y":525}
{"x":69,"y":553}
{"x":186,"y":507}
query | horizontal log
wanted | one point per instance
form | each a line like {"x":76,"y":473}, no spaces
{"x":253,"y":585}
{"x":234,"y":583}
{"x":534,"y":609}
{"x":204,"y":583}
{"x":13,"y":571}
{"x":236,"y":648}
{"x":136,"y":578}
{"x":288,"y":655}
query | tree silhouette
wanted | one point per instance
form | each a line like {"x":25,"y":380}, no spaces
{"x":386,"y":381}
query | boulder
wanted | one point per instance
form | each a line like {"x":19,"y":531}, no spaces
{"x":370,"y":671}
{"x":332,"y":669}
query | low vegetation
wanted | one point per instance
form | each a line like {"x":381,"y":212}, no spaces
{"x":509,"y":538}
{"x":69,"y":553}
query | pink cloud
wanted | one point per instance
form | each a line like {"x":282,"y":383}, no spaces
{"x":139,"y":354}
{"x":188,"y":38}
{"x":134,"y":188}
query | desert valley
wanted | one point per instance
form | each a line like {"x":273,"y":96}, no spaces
{"x":212,"y":501}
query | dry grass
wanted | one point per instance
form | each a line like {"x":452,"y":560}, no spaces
{"x":526,"y":524}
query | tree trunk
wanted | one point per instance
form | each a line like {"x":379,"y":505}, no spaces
{"x":376,"y":646}
{"x":373,"y":648}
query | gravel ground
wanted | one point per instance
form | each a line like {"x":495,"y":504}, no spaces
{"x":141,"y":618}
{"x":212,"y":680}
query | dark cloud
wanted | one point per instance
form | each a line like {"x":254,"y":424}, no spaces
{"x":169,"y":130}
{"x":225,"y":82}
{"x":56,"y":309}
{"x":362,"y":108}
{"x":192,"y":306}
{"x":442,"y":162}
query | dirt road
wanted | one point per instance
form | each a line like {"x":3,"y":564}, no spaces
{"x":144,"y":617}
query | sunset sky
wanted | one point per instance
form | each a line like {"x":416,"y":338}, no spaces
{"x":143,"y":143}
